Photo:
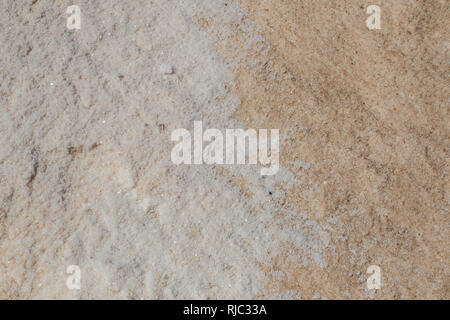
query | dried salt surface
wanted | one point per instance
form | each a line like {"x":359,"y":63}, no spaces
{"x":86,"y":177}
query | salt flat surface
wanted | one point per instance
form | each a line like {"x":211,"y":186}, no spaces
{"x":86,"y":173}
{"x":86,"y":176}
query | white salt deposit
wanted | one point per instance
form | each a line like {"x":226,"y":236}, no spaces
{"x":86,"y":177}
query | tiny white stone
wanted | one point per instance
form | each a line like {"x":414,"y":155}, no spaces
{"x":166,"y":69}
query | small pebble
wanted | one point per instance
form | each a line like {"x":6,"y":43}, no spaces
{"x":166,"y":69}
